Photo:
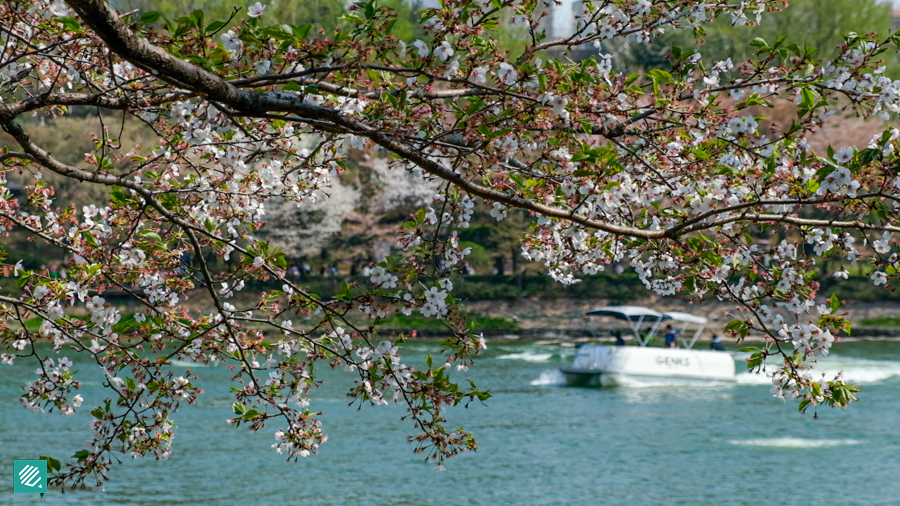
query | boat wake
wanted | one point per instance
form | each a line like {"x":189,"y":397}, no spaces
{"x":549,"y":378}
{"x":856,"y":370}
{"x":655,"y":382}
{"x":527,"y":356}
{"x":793,"y":442}
{"x":187,"y":363}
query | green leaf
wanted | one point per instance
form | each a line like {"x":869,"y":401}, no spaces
{"x":150,"y":17}
{"x":660,"y":76}
{"x":282,"y":32}
{"x":301,"y":31}
{"x":129,"y":382}
{"x":869,"y":155}
{"x":70,"y":24}
{"x":808,"y":99}
{"x":215,"y":25}
{"x":760,"y":43}
{"x":197,"y":18}
{"x":846,"y":327}
{"x":735,"y":325}
{"x":748,"y":349}
{"x":52,"y":464}
{"x":835,"y":303}
{"x":803,"y":404}
{"x":199,"y":60}
{"x":780,"y":40}
{"x":755,"y":360}
{"x":126,"y":324}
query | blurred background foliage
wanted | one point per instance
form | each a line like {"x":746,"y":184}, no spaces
{"x":814,"y":23}
{"x":378,"y":201}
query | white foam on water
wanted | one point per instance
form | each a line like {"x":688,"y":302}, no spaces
{"x":661,"y":381}
{"x":793,"y":442}
{"x":752,"y":378}
{"x":856,"y":370}
{"x":528,"y":356}
{"x":550,"y":377}
{"x":187,"y":363}
{"x":706,"y":393}
{"x":566,"y":352}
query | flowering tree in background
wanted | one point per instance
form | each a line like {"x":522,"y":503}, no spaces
{"x":307,"y":228}
{"x":667,"y":171}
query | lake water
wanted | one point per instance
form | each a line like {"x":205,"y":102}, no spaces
{"x":540,"y":443}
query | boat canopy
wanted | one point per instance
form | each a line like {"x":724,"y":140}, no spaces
{"x":638,"y":315}
{"x":635,"y":316}
{"x":684,"y":317}
{"x":627,"y":312}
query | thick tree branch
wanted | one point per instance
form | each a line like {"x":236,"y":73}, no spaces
{"x":12,"y":109}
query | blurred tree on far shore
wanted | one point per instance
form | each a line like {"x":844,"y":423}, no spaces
{"x":321,"y":14}
{"x":814,"y":23}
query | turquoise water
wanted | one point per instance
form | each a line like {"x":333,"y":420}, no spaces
{"x":540,"y":443}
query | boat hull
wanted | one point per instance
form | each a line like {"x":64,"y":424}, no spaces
{"x":601,"y":365}
{"x":580,"y":378}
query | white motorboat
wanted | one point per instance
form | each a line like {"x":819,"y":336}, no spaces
{"x":600,"y":364}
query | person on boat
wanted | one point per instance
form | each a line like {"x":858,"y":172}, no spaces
{"x":618,"y":335}
{"x":717,"y":344}
{"x":670,"y":337}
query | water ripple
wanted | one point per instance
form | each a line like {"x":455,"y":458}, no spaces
{"x":793,"y":442}
{"x":527,"y":356}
